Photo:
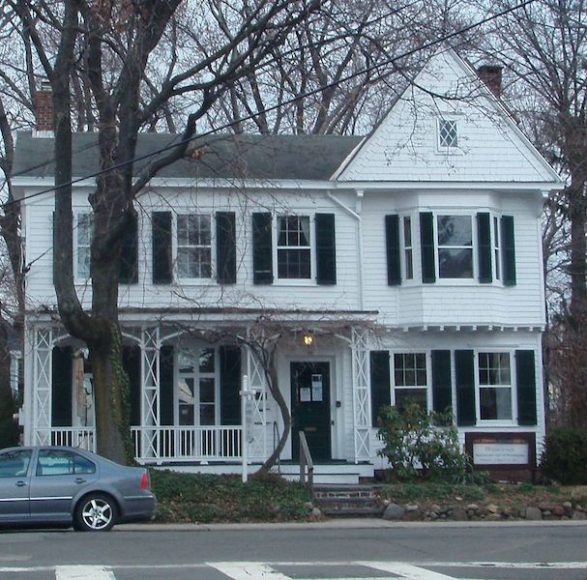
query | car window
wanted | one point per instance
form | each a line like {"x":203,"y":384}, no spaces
{"x":61,"y":462}
{"x":15,"y":463}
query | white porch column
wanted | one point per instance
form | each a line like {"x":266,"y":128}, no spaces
{"x":150,"y":399}
{"x":257,"y":430}
{"x":41,"y":395}
{"x":361,"y":394}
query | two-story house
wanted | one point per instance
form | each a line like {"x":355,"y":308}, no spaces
{"x":403,"y":266}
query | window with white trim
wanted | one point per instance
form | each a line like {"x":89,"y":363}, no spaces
{"x":294,"y":250}
{"x":196,"y":387}
{"x":83,"y":238}
{"x":495,"y":386}
{"x":194,"y":246}
{"x":410,"y":380}
{"x":496,"y":248}
{"x":447,"y":134}
{"x":408,"y":249}
{"x":455,"y":246}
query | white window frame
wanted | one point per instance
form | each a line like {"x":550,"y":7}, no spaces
{"x":82,"y":277}
{"x":447,"y":148}
{"x":197,"y":375}
{"x":512,"y":386}
{"x":175,"y":246}
{"x":311,"y":247}
{"x":407,"y":250}
{"x":496,"y":246}
{"x":427,"y":388}
{"x":473,"y":247}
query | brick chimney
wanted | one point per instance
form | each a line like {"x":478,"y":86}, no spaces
{"x":490,"y":74}
{"x":44,"y":107}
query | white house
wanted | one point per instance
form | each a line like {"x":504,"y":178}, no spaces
{"x":405,"y":265}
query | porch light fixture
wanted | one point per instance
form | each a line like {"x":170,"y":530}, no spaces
{"x":308,"y":339}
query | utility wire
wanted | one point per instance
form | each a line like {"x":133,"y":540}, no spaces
{"x":310,"y":93}
{"x":261,"y":66}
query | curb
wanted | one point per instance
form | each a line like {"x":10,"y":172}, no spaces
{"x":350,"y":523}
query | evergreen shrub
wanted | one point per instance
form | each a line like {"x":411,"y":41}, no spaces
{"x":564,"y":458}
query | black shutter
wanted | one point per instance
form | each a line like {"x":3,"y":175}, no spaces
{"x":226,"y":247}
{"x":230,"y":385}
{"x":508,"y":250}
{"x":484,"y":247}
{"x":392,"y":242}
{"x":427,"y":247}
{"x":61,"y":387}
{"x":129,"y":255}
{"x":441,"y":381}
{"x":131,"y":361}
{"x":380,"y":382}
{"x":262,"y":249}
{"x":166,"y":385}
{"x":465,"y":380}
{"x":325,"y":249}
{"x":162,"y":260}
{"x":526,"y":387}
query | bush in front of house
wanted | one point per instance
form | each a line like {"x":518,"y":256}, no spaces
{"x":205,"y":498}
{"x":564,"y":458}
{"x":422,"y":445}
{"x":9,"y":430}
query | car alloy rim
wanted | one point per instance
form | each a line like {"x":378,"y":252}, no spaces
{"x":97,"y":514}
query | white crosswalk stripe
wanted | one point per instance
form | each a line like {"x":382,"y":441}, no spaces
{"x":248,"y":571}
{"x":83,"y":573}
{"x":408,"y":571}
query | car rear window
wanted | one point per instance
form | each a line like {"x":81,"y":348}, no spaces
{"x":60,"y":462}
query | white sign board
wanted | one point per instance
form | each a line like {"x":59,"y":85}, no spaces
{"x":500,"y":453}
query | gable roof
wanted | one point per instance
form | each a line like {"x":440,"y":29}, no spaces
{"x":403,"y":146}
{"x":298,"y":157}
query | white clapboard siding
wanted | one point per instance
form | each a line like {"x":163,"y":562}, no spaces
{"x":404,"y":146}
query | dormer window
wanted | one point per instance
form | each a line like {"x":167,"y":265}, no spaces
{"x":447,"y":134}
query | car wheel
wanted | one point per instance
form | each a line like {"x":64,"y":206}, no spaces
{"x":95,"y":513}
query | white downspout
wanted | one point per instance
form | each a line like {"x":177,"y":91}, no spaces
{"x":356,"y":215}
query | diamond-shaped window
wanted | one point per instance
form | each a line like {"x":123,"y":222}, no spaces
{"x":447,"y":133}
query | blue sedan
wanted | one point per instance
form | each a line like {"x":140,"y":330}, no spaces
{"x":63,"y":485}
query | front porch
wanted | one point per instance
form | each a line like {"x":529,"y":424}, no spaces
{"x":213,"y":450}
{"x":186,"y":405}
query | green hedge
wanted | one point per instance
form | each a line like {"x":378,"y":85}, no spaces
{"x":206,"y":498}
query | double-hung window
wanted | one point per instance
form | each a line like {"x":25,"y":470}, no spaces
{"x":294,"y":251}
{"x":455,"y":246}
{"x":83,"y":237}
{"x":194,"y":246}
{"x":196,"y":390}
{"x":410,"y":380}
{"x":408,"y":249}
{"x":495,"y":386}
{"x":496,"y":248}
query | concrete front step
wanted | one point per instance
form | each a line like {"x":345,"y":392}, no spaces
{"x":329,"y":474}
{"x":347,"y":501}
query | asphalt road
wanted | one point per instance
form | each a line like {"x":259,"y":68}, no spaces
{"x":365,"y":550}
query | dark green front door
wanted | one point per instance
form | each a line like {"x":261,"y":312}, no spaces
{"x":310,"y":403}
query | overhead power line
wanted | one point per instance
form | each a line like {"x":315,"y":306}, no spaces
{"x":431,"y":44}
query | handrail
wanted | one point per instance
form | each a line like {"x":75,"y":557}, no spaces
{"x":306,"y":463}
{"x":275,"y":438}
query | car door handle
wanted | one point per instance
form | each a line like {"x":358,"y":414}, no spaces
{"x":20,"y":483}
{"x":80,"y":480}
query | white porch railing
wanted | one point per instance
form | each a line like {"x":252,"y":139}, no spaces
{"x":187,"y":443}
{"x":165,"y":443}
{"x":81,"y":437}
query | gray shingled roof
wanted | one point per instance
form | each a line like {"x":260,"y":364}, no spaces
{"x":305,"y":157}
